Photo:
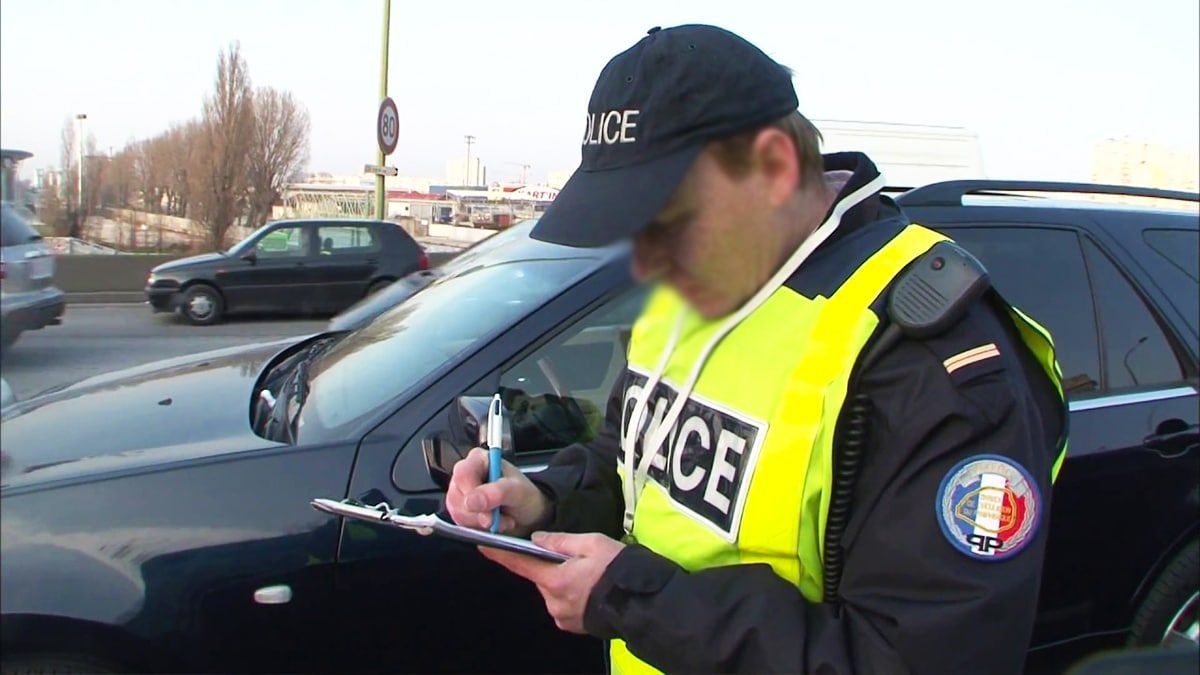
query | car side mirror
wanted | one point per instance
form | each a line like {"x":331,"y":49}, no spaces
{"x":466,"y":429}
{"x":250,"y":256}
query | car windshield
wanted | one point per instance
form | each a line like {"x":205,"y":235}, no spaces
{"x":454,"y":315}
{"x":489,"y":250}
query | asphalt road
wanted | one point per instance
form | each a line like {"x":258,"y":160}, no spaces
{"x":95,"y":339}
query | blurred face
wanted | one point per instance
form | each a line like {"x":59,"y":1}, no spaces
{"x":722,"y":237}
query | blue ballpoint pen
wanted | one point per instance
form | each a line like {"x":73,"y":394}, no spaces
{"x":495,"y":430}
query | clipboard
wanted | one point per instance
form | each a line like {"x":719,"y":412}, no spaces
{"x":431,"y":524}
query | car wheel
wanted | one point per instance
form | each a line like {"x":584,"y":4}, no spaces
{"x":54,"y":663}
{"x":1170,"y":615}
{"x":379,"y":286}
{"x":201,"y":305}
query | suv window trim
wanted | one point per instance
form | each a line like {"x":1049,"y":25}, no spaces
{"x":1129,"y":398}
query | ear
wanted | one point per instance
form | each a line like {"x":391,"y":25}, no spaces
{"x":775,"y":155}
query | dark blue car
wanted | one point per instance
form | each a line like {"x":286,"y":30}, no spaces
{"x":158,"y":519}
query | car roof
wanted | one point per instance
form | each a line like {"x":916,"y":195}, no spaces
{"x":1021,"y":201}
{"x":334,"y":221}
{"x":1050,"y":194}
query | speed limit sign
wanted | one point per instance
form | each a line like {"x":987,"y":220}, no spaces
{"x":387,"y":126}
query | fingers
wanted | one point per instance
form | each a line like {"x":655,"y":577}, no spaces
{"x":470,"y":471}
{"x":471,"y":499}
{"x":537,"y":571}
{"x":467,"y":475}
{"x":574,"y":545}
{"x":484,"y":521}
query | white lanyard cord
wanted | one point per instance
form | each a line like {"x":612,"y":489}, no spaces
{"x":635,"y":477}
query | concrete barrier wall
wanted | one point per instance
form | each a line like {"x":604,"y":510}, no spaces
{"x":456,"y":233}
{"x":122,"y":278}
{"x":105,"y":273}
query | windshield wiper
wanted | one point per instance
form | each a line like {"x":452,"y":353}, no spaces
{"x":300,"y":386}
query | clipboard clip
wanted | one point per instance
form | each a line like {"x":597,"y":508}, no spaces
{"x":383,"y":511}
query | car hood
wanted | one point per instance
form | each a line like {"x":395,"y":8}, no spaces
{"x":190,"y":261}
{"x":185,"y":408}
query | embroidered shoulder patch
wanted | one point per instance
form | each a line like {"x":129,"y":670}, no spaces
{"x":989,"y":507}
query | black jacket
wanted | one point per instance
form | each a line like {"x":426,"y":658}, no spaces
{"x":911,"y":601}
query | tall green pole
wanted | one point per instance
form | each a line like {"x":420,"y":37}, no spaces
{"x":380,"y":192}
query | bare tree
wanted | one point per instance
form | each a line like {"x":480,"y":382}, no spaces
{"x":69,"y":189}
{"x":123,"y":180}
{"x":95,"y":176}
{"x":229,"y":165}
{"x":175,"y":155}
{"x":278,"y":150}
{"x":53,"y":212}
{"x":142,"y":173}
{"x":226,"y":128}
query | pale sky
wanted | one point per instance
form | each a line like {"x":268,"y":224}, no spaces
{"x":1039,"y":81}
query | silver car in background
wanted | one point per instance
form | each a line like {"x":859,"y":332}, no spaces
{"x":29,"y":300}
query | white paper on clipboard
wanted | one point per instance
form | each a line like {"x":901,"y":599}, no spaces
{"x":429,"y":523}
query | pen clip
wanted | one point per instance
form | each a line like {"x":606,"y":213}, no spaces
{"x":495,"y":423}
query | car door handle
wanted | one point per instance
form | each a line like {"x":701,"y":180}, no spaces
{"x":372,"y":261}
{"x":1172,"y":441}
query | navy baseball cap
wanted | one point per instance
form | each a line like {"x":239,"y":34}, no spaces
{"x":654,"y":108}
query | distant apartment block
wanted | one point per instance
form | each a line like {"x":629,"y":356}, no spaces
{"x":464,"y":171}
{"x":1142,"y":163}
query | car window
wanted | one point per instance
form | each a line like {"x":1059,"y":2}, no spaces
{"x":285,"y":242}
{"x":558,"y":394}
{"x":1137,"y":352}
{"x":1180,"y":247}
{"x":15,"y":229}
{"x":454,"y":315}
{"x":347,"y":239}
{"x":1042,"y":272}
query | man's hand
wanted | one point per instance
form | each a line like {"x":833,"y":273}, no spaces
{"x":470,"y":498}
{"x":565,"y":587}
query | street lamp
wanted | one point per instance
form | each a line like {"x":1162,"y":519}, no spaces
{"x":470,"y":141}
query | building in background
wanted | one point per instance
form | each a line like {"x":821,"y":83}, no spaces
{"x":1142,"y":163}
{"x":466,"y":172}
{"x":908,"y":155}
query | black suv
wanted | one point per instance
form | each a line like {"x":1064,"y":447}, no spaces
{"x":1116,"y":285}
{"x":288,"y":266}
{"x":168,"y":527}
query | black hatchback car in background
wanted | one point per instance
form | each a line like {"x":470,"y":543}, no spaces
{"x":288,"y":267}
{"x":168,"y":526}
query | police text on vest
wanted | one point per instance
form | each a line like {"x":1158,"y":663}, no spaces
{"x":704,"y":463}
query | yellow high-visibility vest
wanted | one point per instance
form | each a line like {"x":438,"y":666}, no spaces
{"x":743,"y":475}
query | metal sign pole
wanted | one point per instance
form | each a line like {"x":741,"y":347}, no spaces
{"x":380,"y":192}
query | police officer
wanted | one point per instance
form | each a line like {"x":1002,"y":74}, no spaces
{"x":711,"y":524}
